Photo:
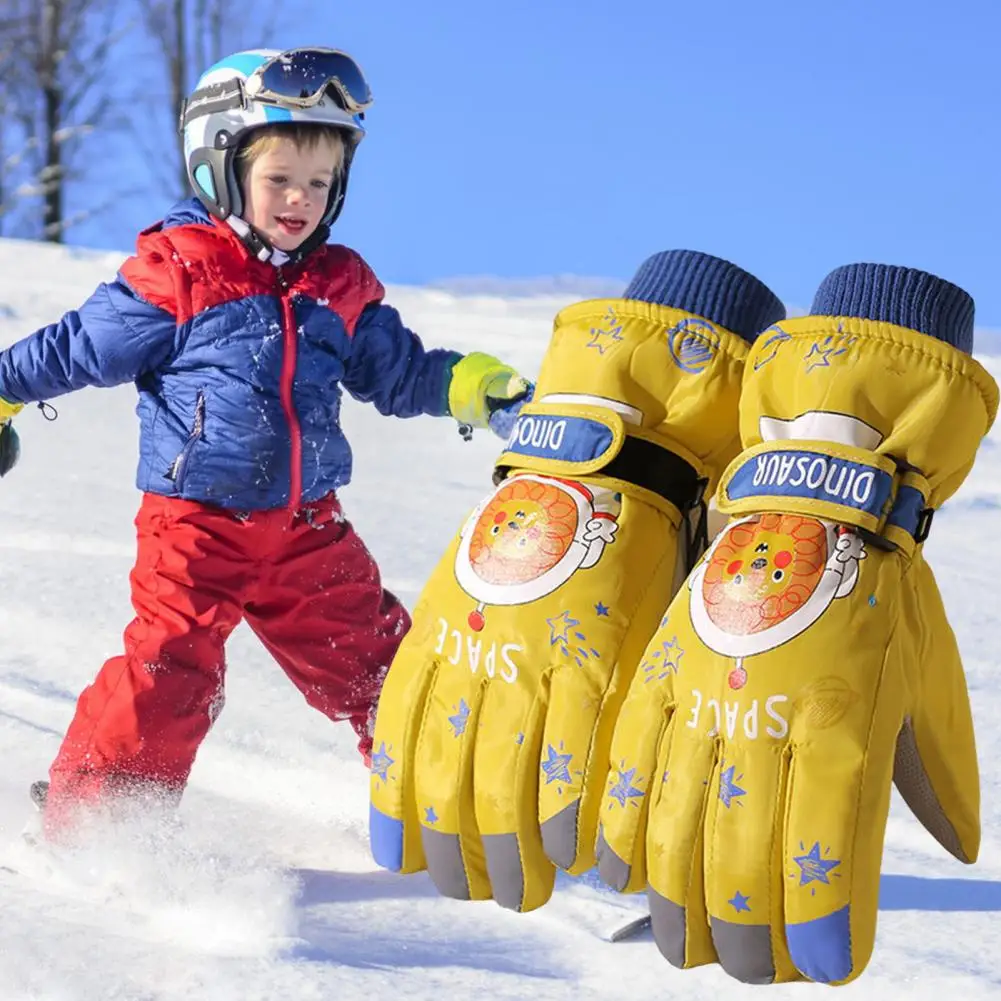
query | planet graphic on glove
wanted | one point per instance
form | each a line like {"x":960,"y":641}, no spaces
{"x":529,"y":537}
{"x":768,"y":578}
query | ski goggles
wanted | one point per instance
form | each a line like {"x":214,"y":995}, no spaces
{"x":10,"y":448}
{"x":300,"y":77}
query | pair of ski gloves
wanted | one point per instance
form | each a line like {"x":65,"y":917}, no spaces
{"x":580,"y":687}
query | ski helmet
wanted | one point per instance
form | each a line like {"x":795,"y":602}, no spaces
{"x":260,"y":87}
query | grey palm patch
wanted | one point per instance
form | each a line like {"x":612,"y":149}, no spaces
{"x":445,"y":865}
{"x":614,"y":872}
{"x":504,"y":867}
{"x":744,"y":951}
{"x":559,"y":836}
{"x":915,"y":787}
{"x":668,"y":922}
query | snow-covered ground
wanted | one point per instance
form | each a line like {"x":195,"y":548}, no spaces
{"x":268,"y":891}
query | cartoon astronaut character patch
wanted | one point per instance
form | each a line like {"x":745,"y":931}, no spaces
{"x":768,"y":578}
{"x":530,"y":536}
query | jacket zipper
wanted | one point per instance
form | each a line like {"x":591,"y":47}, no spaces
{"x":289,"y":358}
{"x":179,"y":466}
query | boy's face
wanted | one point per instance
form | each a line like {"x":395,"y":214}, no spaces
{"x":286,"y":191}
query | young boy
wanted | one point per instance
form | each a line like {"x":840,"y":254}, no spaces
{"x":240,"y":325}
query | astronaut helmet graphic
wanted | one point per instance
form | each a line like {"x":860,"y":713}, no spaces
{"x":768,"y":577}
{"x":530,"y":536}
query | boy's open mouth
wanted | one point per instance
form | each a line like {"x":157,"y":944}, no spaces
{"x":291,"y":224}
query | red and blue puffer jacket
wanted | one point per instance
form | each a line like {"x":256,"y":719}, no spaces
{"x":239,"y":364}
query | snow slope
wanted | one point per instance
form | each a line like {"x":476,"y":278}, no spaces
{"x":268,"y":891}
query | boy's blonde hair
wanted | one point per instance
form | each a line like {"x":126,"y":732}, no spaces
{"x":305,"y":135}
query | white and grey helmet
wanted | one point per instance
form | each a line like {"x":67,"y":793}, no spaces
{"x":263,"y":87}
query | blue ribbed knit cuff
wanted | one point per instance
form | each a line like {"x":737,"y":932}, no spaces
{"x":903,"y":296}
{"x":709,"y":287}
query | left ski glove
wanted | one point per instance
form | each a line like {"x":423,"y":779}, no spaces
{"x":811,"y":661}
{"x":480,"y":386}
{"x":492,"y":734}
{"x":10,"y":445}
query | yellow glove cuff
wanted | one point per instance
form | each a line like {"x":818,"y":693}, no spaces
{"x":9,"y":410}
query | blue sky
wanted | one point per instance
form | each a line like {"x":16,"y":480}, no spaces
{"x":533,"y":137}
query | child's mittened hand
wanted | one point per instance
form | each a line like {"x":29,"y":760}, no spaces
{"x":9,"y":410}
{"x":481,"y":385}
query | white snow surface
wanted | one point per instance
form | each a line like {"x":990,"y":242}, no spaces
{"x":266,"y":889}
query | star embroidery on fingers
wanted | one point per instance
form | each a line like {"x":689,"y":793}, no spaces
{"x":556,"y":767}
{"x":382,"y":762}
{"x":430,"y":817}
{"x":601,"y":610}
{"x":813,"y":868}
{"x":624,"y":791}
{"x":729,"y":791}
{"x":460,"y":719}
{"x":740,"y":903}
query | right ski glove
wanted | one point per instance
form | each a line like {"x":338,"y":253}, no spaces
{"x":808,"y":663}
{"x":491,"y":740}
{"x":480,"y":385}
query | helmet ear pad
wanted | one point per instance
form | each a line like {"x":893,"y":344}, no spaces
{"x":212,"y":174}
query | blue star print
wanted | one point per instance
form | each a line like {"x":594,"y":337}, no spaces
{"x":728,"y":788}
{"x":382,"y":762}
{"x":813,"y":868}
{"x":623,"y":791}
{"x":557,"y":766}
{"x":665,"y":661}
{"x":613,"y":333}
{"x":430,"y":817}
{"x":740,"y":903}
{"x":460,"y":719}
{"x":559,"y":628}
{"x":822,"y":355}
{"x":601,"y":609}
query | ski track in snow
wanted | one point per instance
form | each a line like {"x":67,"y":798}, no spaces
{"x":267,"y":891}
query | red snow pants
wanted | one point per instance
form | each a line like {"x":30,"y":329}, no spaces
{"x":306,"y":585}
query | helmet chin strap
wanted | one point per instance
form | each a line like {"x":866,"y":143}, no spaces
{"x":263,"y":250}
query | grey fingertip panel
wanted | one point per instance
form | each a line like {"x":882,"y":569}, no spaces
{"x":614,"y":872}
{"x":505,"y":869}
{"x":559,"y":836}
{"x":667,"y":920}
{"x":744,"y":951}
{"x":443,"y":854}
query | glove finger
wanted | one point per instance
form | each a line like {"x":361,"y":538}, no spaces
{"x":640,"y":746}
{"x":935,"y":767}
{"x":567,"y":800}
{"x":443,"y":786}
{"x":394,"y":827}
{"x":838,"y":800}
{"x":744,"y":881}
{"x":506,"y":788}
{"x":674,"y":850}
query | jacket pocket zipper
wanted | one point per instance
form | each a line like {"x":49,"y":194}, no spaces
{"x":179,"y":466}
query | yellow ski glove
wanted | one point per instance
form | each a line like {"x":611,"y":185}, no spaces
{"x":9,"y":410}
{"x":480,"y":384}
{"x":808,"y":662}
{"x":492,"y":735}
{"x":10,"y":446}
